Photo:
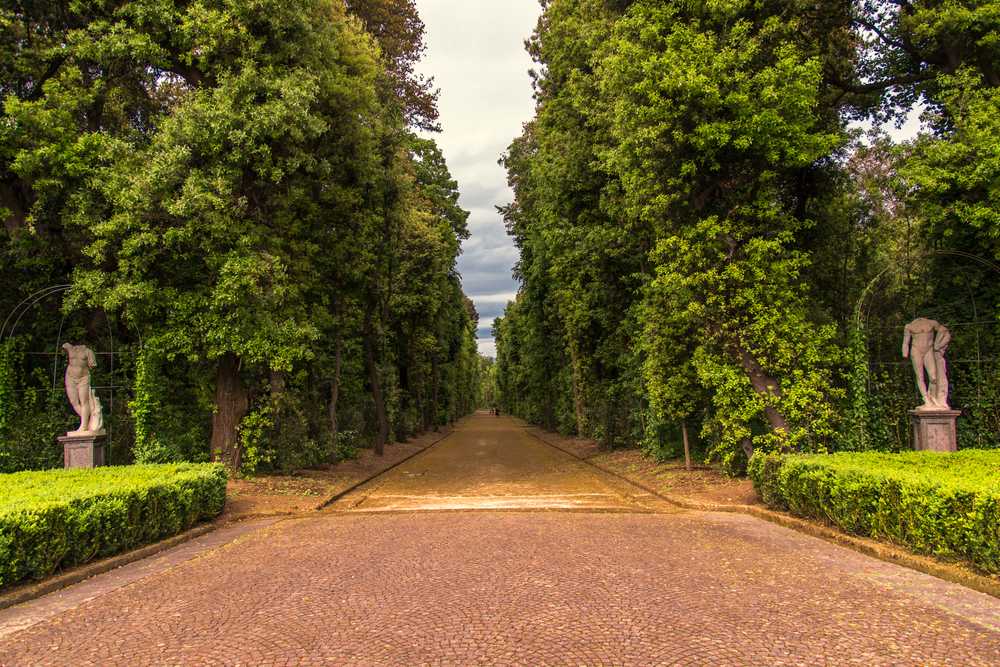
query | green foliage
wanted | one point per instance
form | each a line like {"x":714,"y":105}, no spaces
{"x":145,"y":402}
{"x":29,"y":443}
{"x":946,"y":505}
{"x":276,"y":437}
{"x":703,"y":233}
{"x":665,"y":441}
{"x":663,"y":249}
{"x":166,"y":431}
{"x":955,"y":174}
{"x":254,"y":429}
{"x":241,"y":196}
{"x":734,"y":98}
{"x":60,"y":518}
{"x":488,"y":392}
{"x":347,"y":445}
{"x":32,"y":414}
{"x":7,"y":386}
{"x":857,"y":425}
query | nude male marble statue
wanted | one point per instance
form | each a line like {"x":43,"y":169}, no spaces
{"x":925,"y":342}
{"x":81,"y":395}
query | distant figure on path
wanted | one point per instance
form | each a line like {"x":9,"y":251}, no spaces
{"x":81,"y":396}
{"x":925,"y":343}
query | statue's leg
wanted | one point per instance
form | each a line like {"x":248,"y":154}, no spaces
{"x":74,"y":399}
{"x":918,"y":369}
{"x":941,"y":393}
{"x":83,"y":396}
{"x":930,"y":365}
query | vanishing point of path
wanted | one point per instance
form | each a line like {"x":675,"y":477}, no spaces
{"x":494,"y":548}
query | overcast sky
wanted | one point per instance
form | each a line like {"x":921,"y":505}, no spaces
{"x":475,"y":52}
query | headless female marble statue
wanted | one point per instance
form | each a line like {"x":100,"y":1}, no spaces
{"x":81,"y":395}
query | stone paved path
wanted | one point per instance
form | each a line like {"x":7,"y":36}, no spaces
{"x":403,"y":573}
{"x":495,"y":464}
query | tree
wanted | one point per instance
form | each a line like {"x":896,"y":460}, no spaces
{"x":235,"y":185}
{"x":213,"y":231}
{"x":663,"y":198}
{"x":397,"y":26}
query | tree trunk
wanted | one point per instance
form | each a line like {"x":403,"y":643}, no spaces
{"x":549,"y":416}
{"x":766,"y":386}
{"x":687,"y":446}
{"x":435,"y":385}
{"x":335,"y":387}
{"x":231,"y":404}
{"x":11,"y":199}
{"x":277,"y":380}
{"x":382,"y":419}
{"x":578,"y":401}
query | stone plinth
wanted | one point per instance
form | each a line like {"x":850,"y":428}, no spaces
{"x":934,"y":430}
{"x":83,"y":451}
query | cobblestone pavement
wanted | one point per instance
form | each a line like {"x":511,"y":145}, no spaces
{"x":520,"y":587}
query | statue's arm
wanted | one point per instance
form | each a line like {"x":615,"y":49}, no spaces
{"x":91,"y":360}
{"x":906,"y":341}
{"x":942,"y":338}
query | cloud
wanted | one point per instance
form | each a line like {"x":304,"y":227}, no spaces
{"x":481,"y":198}
{"x":475,"y":52}
{"x":488,"y":347}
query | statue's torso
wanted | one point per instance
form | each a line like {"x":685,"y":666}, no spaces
{"x":922,"y":332}
{"x":79,"y":363}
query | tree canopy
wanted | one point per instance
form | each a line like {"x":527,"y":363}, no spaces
{"x":699,"y":215}
{"x":236,"y":188}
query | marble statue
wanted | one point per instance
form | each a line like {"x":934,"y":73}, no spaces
{"x":81,"y":395}
{"x":925,"y":343}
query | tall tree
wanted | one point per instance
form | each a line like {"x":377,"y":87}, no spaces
{"x":397,"y":26}
{"x":212,"y":232}
{"x":663,"y":209}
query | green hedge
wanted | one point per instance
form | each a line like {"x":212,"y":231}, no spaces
{"x":947,"y":505}
{"x":59,"y":518}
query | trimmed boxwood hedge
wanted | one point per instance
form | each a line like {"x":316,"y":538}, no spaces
{"x":946,"y":505}
{"x":59,"y":518}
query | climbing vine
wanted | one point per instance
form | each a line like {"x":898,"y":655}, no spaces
{"x":6,"y":402}
{"x":144,"y":406}
{"x":253,"y":433}
{"x":7,"y":383}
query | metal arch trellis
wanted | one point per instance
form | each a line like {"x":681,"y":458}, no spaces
{"x":21,"y":308}
{"x":13,"y":318}
{"x":860,"y":315}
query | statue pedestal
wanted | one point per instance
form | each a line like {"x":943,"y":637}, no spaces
{"x":934,"y":430}
{"x":83,"y":451}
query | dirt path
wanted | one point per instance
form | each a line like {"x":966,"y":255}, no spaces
{"x":420,"y":568}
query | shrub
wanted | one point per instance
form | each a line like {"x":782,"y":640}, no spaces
{"x":946,"y":505}
{"x":280,"y":435}
{"x":61,"y":518}
{"x":348,"y":444}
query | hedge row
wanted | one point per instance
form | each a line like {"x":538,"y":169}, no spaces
{"x":946,"y":505}
{"x":60,"y":518}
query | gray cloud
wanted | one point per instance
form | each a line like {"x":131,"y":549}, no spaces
{"x":483,"y":197}
{"x":486,"y":270}
{"x":475,"y":52}
{"x":488,"y":347}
